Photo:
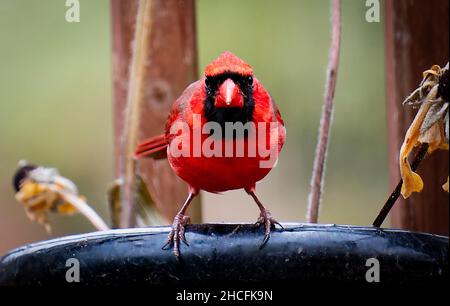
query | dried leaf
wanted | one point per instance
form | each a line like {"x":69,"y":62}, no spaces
{"x":411,"y":180}
{"x":114,"y":204}
{"x":436,"y":112}
{"x":147,"y":213}
{"x":430,"y":124}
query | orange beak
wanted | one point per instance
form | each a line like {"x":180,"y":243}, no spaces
{"x":228,"y":95}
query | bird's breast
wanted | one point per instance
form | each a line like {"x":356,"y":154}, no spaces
{"x":215,"y":164}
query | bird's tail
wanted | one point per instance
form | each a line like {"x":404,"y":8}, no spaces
{"x":155,"y":147}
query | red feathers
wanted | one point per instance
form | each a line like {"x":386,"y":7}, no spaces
{"x":228,"y":62}
{"x":155,"y":147}
{"x":220,"y":173}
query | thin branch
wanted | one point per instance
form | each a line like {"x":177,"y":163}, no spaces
{"x":134,"y":101}
{"x":317,"y":179}
{"x":83,"y":208}
{"x":396,"y":193}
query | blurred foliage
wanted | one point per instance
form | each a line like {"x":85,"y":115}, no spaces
{"x":55,"y":104}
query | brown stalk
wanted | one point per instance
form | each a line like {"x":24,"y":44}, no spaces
{"x":134,"y":100}
{"x":317,"y":179}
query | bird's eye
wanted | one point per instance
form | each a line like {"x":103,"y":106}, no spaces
{"x":250,"y":80}
{"x":208,"y":81}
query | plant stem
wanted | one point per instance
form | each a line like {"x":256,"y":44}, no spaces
{"x":134,"y":101}
{"x":84,"y":209}
{"x":396,"y":193}
{"x":317,"y":179}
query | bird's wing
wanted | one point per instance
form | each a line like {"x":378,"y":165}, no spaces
{"x":156,"y":147}
{"x":191,"y":99}
{"x":276,"y":111}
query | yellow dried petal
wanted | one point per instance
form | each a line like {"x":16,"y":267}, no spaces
{"x":445,"y":186}
{"x":434,"y":70}
{"x":27,"y":190}
{"x":66,"y":209}
{"x":38,"y":205}
{"x":412,"y":182}
{"x":44,"y":192}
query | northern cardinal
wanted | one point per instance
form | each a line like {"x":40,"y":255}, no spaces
{"x":226,"y":94}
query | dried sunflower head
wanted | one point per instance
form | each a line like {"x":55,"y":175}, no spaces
{"x":430,"y":125}
{"x":37,"y":189}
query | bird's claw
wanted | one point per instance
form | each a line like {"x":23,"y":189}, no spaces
{"x":266,"y":219}
{"x":177,"y":234}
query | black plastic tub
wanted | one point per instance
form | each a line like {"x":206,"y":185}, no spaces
{"x":218,"y":255}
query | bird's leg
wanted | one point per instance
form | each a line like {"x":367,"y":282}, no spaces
{"x":177,"y":234}
{"x":265,"y":217}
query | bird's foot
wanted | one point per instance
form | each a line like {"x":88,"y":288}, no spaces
{"x":266,"y":219}
{"x":177,"y":234}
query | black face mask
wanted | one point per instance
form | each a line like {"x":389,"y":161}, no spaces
{"x":233,"y":114}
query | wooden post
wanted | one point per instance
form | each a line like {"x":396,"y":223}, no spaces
{"x":171,"y":66}
{"x":416,"y":38}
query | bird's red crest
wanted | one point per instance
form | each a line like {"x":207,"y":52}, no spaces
{"x":228,"y":62}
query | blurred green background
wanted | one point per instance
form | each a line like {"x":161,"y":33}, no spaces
{"x":55,"y":105}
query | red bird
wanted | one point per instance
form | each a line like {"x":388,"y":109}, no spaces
{"x":227,"y":95}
